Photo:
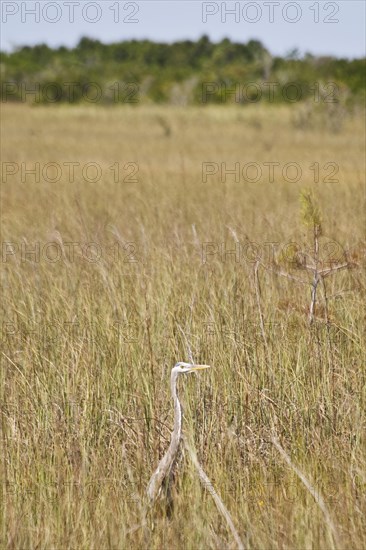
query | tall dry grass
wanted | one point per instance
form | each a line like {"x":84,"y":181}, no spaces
{"x":88,"y":340}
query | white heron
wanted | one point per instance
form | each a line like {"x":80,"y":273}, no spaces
{"x":165,"y":468}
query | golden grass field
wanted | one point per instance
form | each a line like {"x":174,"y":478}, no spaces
{"x":104,"y":283}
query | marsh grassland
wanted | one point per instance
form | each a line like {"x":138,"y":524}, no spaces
{"x":104,"y":282}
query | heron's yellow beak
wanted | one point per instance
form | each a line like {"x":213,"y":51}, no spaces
{"x":200,"y":367}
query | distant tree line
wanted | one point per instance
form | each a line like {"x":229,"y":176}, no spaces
{"x":186,"y":72}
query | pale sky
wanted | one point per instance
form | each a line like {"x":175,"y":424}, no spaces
{"x":319,"y":27}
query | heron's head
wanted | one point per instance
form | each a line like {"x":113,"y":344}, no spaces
{"x":181,"y":368}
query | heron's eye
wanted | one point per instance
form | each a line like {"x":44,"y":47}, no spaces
{"x":182,"y":367}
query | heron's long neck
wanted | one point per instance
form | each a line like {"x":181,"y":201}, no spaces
{"x":177,"y":431}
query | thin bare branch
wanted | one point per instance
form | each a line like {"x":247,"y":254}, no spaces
{"x":258,"y":297}
{"x":210,"y":488}
{"x":314,"y":493}
{"x":189,"y":350}
{"x":285,"y":274}
{"x":334,"y":269}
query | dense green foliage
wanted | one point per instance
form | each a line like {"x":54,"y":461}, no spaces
{"x":180,"y":73}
